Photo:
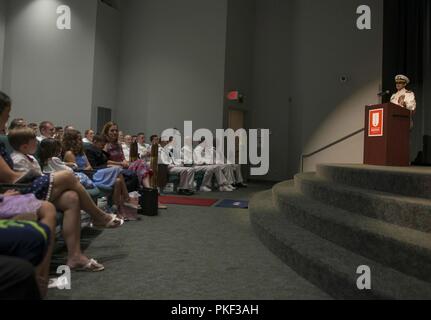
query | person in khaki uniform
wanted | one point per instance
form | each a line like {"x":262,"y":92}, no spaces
{"x":404,"y":98}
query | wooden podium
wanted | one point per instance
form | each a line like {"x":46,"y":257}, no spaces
{"x":387,"y":135}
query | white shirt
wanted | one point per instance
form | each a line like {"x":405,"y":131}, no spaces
{"x":405,"y":96}
{"x":26,"y":163}
{"x":202,"y":157}
{"x":55,"y":165}
{"x":126,"y":151}
{"x":85,"y":140}
{"x":187,"y":155}
{"x":143,"y":150}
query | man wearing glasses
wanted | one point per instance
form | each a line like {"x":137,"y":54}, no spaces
{"x":404,"y":98}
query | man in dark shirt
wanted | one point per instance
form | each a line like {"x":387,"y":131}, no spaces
{"x":97,"y":157}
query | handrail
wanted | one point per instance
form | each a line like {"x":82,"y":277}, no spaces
{"x":305,"y":156}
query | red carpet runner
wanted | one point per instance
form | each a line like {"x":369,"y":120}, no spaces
{"x":187,"y":201}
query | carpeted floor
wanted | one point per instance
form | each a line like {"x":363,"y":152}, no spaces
{"x":187,"y":253}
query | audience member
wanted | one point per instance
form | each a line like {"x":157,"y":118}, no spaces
{"x":14,"y":206}
{"x":17,"y":280}
{"x":88,"y":136}
{"x":126,"y":147}
{"x":35,"y":128}
{"x":17,"y":124}
{"x":116,"y":157}
{"x":65,"y":192}
{"x":47,"y":130}
{"x":144,"y":149}
{"x":59,"y":132}
{"x":50,"y":160}
{"x":107,"y":178}
{"x":121,"y":137}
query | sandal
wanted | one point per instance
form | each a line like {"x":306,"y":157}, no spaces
{"x":91,"y":266}
{"x":162,"y":207}
{"x":114,"y":223}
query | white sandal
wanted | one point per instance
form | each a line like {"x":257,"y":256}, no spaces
{"x":114,"y":223}
{"x":91,"y":266}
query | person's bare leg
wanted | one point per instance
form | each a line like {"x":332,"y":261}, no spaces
{"x":117,"y":193}
{"x":118,"y":200}
{"x":146,"y":182}
{"x":48,"y":216}
{"x":124,"y":191}
{"x":69,"y":204}
{"x":66,"y":181}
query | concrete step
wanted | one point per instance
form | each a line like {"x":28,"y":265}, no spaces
{"x":325,"y":264}
{"x":409,"y":212}
{"x":410,"y":181}
{"x":403,"y":249}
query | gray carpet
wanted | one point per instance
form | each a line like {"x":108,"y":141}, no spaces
{"x":187,"y":253}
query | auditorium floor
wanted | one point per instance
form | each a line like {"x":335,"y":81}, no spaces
{"x":187,"y":253}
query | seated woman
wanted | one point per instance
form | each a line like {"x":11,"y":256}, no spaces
{"x":15,"y":207}
{"x":108,"y":178}
{"x":116,"y":157}
{"x":64,"y":191}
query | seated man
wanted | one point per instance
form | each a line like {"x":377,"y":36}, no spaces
{"x":17,"y":280}
{"x":233,"y":172}
{"x":28,"y":242}
{"x":176,"y":166}
{"x":88,"y":137}
{"x":204,"y":162}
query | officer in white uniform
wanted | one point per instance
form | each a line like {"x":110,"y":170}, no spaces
{"x":205,"y":162}
{"x":175,"y":162}
{"x":232,"y":171}
{"x":404,"y":98}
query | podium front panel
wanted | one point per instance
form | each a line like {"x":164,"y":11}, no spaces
{"x":387,"y":135}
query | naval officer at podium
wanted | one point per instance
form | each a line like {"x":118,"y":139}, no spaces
{"x":404,"y":98}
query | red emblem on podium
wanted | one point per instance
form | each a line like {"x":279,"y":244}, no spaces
{"x":375,"y":127}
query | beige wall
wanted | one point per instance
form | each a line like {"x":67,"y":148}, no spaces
{"x":106,"y":60}
{"x":49,"y":72}
{"x":172,"y":64}
{"x":2,"y":38}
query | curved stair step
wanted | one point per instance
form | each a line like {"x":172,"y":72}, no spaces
{"x":409,"y":181}
{"x":409,"y":212}
{"x":406,"y":250}
{"x":325,"y":264}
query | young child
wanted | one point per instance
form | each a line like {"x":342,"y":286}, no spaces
{"x":25,"y":144}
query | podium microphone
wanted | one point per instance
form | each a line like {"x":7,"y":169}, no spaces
{"x":384,"y":93}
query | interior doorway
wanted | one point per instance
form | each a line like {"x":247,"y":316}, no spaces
{"x":104,"y":115}
{"x":236,"y":121}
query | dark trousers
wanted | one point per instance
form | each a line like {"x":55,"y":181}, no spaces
{"x":25,"y":240}
{"x":17,"y":280}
